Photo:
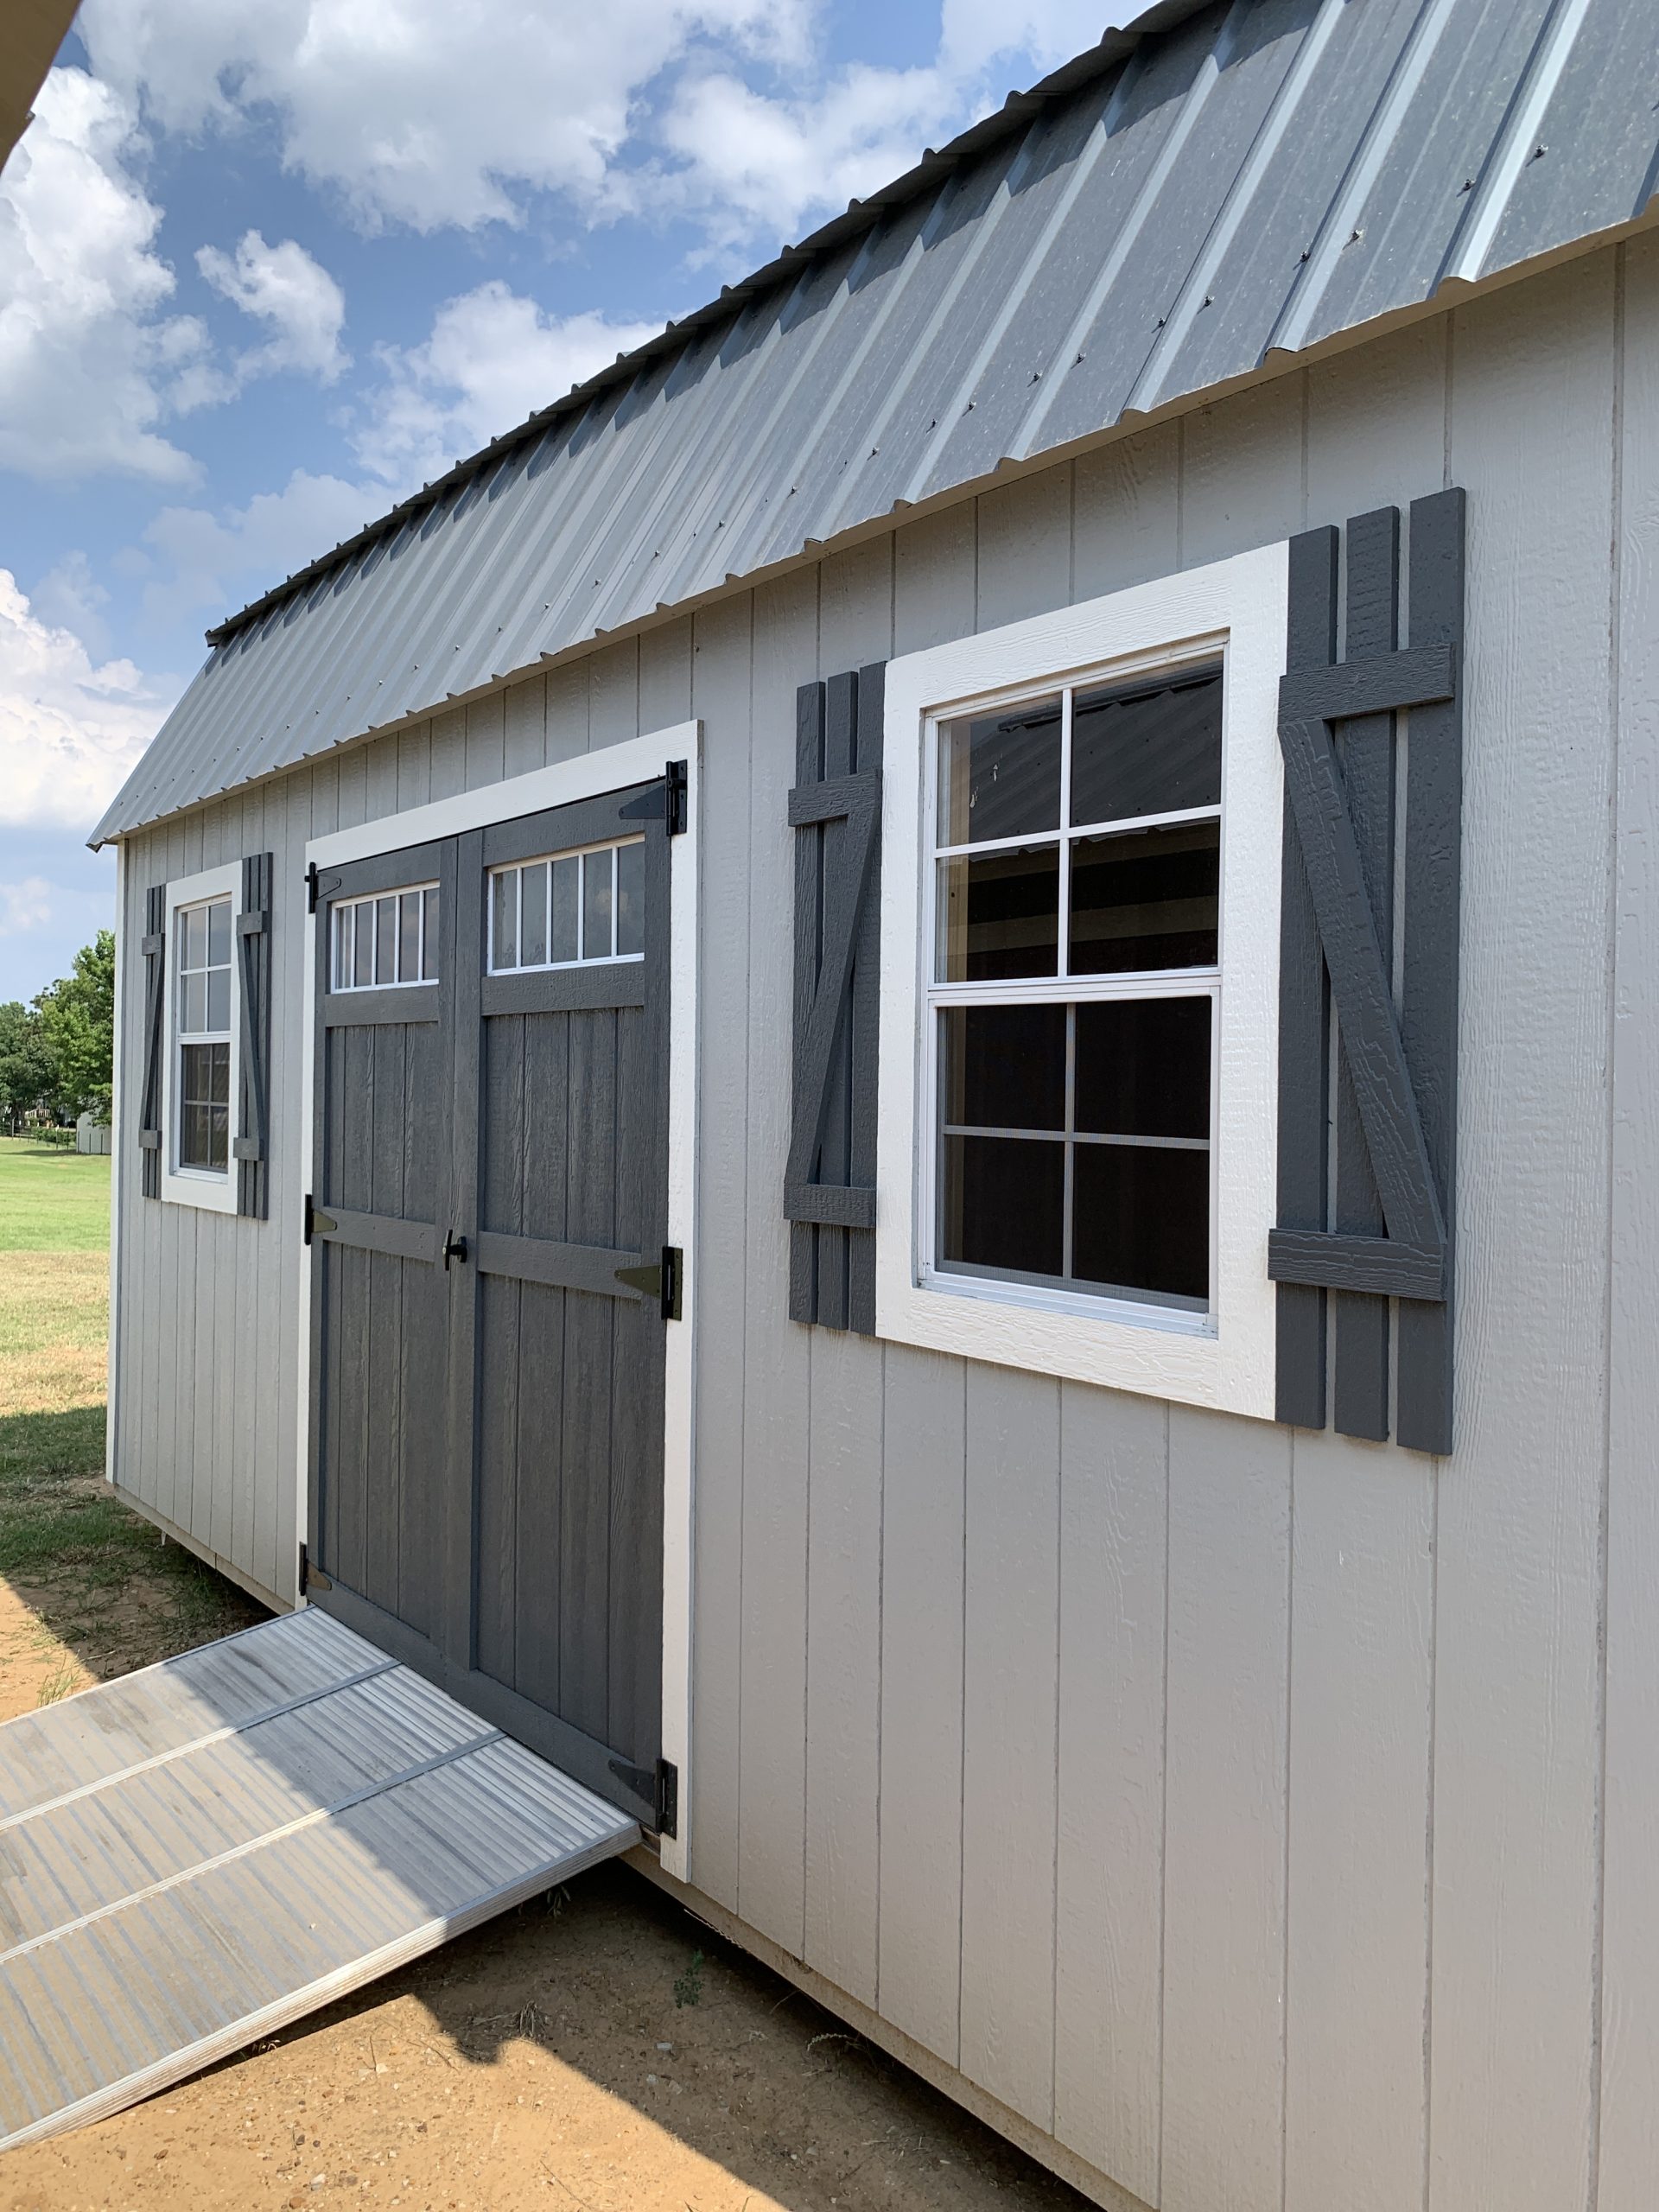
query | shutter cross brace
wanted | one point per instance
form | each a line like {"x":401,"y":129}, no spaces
{"x":857,"y":800}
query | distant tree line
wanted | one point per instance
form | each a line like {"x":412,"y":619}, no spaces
{"x":56,"y":1054}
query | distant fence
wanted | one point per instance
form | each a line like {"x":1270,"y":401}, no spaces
{"x":90,"y":1135}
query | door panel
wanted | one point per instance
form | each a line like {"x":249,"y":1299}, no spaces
{"x":488,"y":1434}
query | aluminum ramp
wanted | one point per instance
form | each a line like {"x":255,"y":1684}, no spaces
{"x":196,"y":1854}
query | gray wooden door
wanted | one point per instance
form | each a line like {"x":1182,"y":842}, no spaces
{"x":489,"y":1216}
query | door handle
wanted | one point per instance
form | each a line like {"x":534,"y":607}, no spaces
{"x":455,"y":1248}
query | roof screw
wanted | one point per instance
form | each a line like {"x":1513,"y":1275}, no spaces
{"x":1538,"y":152}
{"x":1354,"y":237}
{"x":1036,"y":376}
{"x":1209,"y":299}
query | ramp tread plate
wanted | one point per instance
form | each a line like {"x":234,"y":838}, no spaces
{"x":200,"y":1854}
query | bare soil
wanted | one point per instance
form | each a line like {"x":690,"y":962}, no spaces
{"x":543,"y":2061}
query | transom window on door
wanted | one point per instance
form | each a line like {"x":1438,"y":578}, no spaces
{"x":202,"y":1002}
{"x":1075,"y":975}
{"x":387,"y":940}
{"x":570,"y":909}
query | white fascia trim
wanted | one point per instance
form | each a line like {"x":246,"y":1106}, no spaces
{"x":589,"y":775}
{"x":613,"y":768}
{"x":195,"y":1188}
{"x":1236,"y":608}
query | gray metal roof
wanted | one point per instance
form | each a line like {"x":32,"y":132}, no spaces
{"x":1201,"y":192}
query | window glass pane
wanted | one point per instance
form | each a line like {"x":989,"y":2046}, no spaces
{"x":1143,"y":1068}
{"x":1000,"y":774}
{"x":195,"y":938}
{"x":1146,"y":899}
{"x":204,"y":1109}
{"x":1004,"y":1067}
{"x":385,"y":940}
{"x":1141,"y":751}
{"x":429,"y":940}
{"x":193,"y":1004}
{"x":218,"y":1073}
{"x":566,"y":904}
{"x":596,"y":904}
{"x":504,"y":926}
{"x":631,"y":898}
{"x":218,"y":933}
{"x":1141,"y":1218}
{"x":999,"y":915}
{"x":218,"y":998}
{"x":409,"y":938}
{"x":342,"y":974}
{"x":218,"y":1136}
{"x":532,"y":917}
{"x":363,"y":947}
{"x":1002,"y":1203}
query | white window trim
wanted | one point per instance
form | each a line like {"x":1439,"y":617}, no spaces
{"x":589,"y":775}
{"x":199,"y":1186}
{"x":1236,"y":610}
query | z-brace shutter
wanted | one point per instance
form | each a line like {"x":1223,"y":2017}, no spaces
{"x":149,"y":1103}
{"x":251,"y":1149}
{"x":829,"y":1183}
{"x":1366,"y":1174}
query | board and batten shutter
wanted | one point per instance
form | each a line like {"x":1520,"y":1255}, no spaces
{"x":153,"y":947}
{"x":252,"y":1147}
{"x":1367,"y":1172}
{"x":835,"y":810}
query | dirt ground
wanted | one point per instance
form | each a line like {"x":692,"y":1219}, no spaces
{"x":598,"y":2050}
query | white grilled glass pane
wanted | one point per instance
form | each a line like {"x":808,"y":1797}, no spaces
{"x":385,"y":941}
{"x":503,"y":919}
{"x":567,"y":896}
{"x":630,"y":899}
{"x":195,"y":938}
{"x":342,"y":971}
{"x":1000,"y":773}
{"x":429,"y":938}
{"x":193,"y":1012}
{"x":532,"y":917}
{"x":596,"y":904}
{"x":409,"y":938}
{"x":218,"y":999}
{"x":218,"y":933}
{"x":363,"y":951}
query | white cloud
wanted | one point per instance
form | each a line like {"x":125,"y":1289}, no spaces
{"x":89,"y":366}
{"x":70,"y":597}
{"x":282,"y":287}
{"x":492,"y":359}
{"x":214,"y":561}
{"x":25,"y":905}
{"x":428,"y":112}
{"x":70,"y":730}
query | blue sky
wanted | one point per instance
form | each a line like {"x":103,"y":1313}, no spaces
{"x":266,"y":265}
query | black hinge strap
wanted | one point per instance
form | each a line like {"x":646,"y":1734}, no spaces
{"x":674,"y":788}
{"x":660,"y":1788}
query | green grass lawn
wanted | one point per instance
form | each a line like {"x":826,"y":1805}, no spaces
{"x":53,"y":1199}
{"x":93,"y":1590}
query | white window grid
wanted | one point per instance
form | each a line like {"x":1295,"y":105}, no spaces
{"x":1064,"y":988}
{"x":206,"y":1032}
{"x":585,"y":957}
{"x":363,"y":957}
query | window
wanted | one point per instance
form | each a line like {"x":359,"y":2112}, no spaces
{"x":1077,"y":873}
{"x":386,"y":940}
{"x":202,"y":1011}
{"x":1082,"y":818}
{"x":569,"y":910}
{"x":202,"y":938}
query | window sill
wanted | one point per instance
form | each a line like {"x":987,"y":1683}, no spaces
{"x":1117,"y":1312}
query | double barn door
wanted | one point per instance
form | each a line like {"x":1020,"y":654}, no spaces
{"x":488,"y":1309}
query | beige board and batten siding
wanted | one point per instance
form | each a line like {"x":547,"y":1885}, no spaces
{"x":1226,"y":1801}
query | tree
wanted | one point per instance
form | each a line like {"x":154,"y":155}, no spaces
{"x":77,"y":1020}
{"x":28,"y":1071}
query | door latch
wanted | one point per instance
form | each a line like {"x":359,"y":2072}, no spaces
{"x":455,"y":1248}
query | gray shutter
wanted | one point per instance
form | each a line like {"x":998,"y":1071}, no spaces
{"x":149,"y":1103}
{"x":1370,"y":1227}
{"x":829,"y":1184}
{"x":251,"y":1149}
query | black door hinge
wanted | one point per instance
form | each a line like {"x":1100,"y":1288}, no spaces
{"x":316,"y":1224}
{"x":311,"y":1578}
{"x":311,"y":888}
{"x":659,"y":1786}
{"x":674,"y":797}
{"x":673,"y":1277}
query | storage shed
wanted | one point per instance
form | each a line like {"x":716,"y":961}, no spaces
{"x":897,"y":1084}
